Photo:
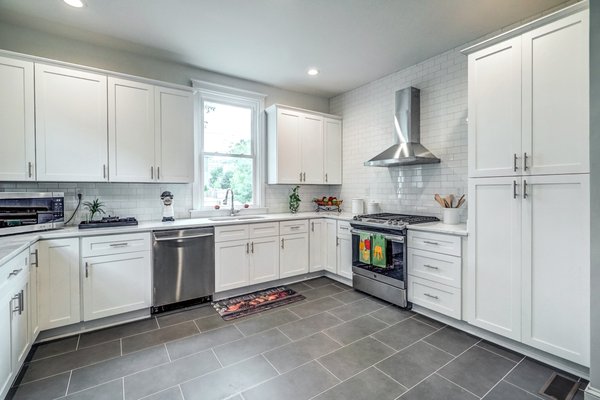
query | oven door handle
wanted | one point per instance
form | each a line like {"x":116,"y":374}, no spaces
{"x":393,"y":238}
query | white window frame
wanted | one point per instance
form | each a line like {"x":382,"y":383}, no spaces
{"x":206,"y":91}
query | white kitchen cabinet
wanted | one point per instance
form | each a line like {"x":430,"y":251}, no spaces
{"x":71,"y":125}
{"x":299,"y":146}
{"x":6,"y":369}
{"x":330,"y":245}
{"x":556,"y":265}
{"x":493,"y":275}
{"x":19,"y":323}
{"x":317,"y":245}
{"x":293,"y":255}
{"x":174,"y":135}
{"x":131,"y":131}
{"x":344,"y":250}
{"x":264,"y":260}
{"x":556,"y":96}
{"x":529,"y":102}
{"x":332,"y":139}
{"x":58,"y":283}
{"x":231,"y":265}
{"x":34,"y":325}
{"x":17,"y":120}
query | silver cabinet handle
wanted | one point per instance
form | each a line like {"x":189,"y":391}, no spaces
{"x":344,"y":228}
{"x":295,"y":227}
{"x":525,"y":167}
{"x":525,"y":195}
{"x":515,"y":158}
{"x":282,"y":243}
{"x":514,"y":189}
{"x":431,"y":296}
{"x":179,"y":239}
{"x":36,"y":254}
{"x":21,"y":302}
{"x":87,"y":266}
{"x":15,"y":272}
{"x":304,"y":177}
{"x":312,"y":226}
{"x":247,"y":248}
{"x":337,"y":241}
{"x":104,"y":171}
{"x":119,"y":244}
{"x":151,"y":172}
{"x":430,"y":242}
{"x":18,"y":307}
{"x":29,"y":169}
{"x":430,"y":266}
{"x":158,"y":172}
{"x":326,"y":177}
{"x":252,"y":247}
{"x":300,"y":176}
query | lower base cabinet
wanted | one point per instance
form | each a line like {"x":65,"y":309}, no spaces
{"x":116,"y":284}
{"x":293,"y":255}
{"x":264,"y":260}
{"x":323,"y":245}
{"x":6,"y":370}
{"x":34,"y":325}
{"x":231,"y":265}
{"x":344,"y":250}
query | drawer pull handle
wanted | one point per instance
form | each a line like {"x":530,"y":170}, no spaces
{"x":431,"y":296}
{"x":15,"y":272}
{"x":295,"y":227}
{"x":87,"y":266}
{"x":252,"y":247}
{"x":29,"y":169}
{"x":344,"y":228}
{"x":282,"y":243}
{"x":16,"y":297}
{"x":430,"y":242}
{"x":430,"y":266}
{"x":119,"y":244}
{"x":312,"y":226}
{"x":247,"y":248}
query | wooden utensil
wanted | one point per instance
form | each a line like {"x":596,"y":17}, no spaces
{"x":439,"y":199}
{"x":450,"y":200}
{"x":460,"y":201}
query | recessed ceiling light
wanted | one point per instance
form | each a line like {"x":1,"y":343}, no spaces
{"x":75,"y":3}
{"x":313,"y":72}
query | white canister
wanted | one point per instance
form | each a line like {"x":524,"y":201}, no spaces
{"x":358,"y":206}
{"x":373,"y":207}
{"x":451,"y":216}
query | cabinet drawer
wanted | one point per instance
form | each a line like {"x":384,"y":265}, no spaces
{"x":437,"y":242}
{"x":343,"y":228}
{"x":114,"y":244}
{"x":263,"y":230}
{"x":436,"y":267}
{"x":435,"y":296}
{"x":231,"y":232}
{"x":17,"y":266}
{"x":290,"y":227}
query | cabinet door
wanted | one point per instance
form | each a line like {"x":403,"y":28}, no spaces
{"x":71,"y":131}
{"x":264,"y":259}
{"x":231,"y":265}
{"x":556,"y":96}
{"x":34,"y":326}
{"x":495,"y":110}
{"x":286,"y":135}
{"x":116,"y":284}
{"x":6,"y":369}
{"x":493,"y":275}
{"x":556,"y":285}
{"x":293,"y":255}
{"x":330,"y":245}
{"x":17,"y":153}
{"x":174,"y":126}
{"x":20,"y":320}
{"x":130,"y":131}
{"x":317,"y":245}
{"x":344,"y":257}
{"x":58,"y":283}
{"x":333,"y":151}
{"x":311,"y":137}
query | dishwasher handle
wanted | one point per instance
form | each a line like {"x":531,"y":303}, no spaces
{"x":179,"y":238}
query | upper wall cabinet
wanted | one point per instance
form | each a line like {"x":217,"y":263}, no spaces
{"x":303,"y":147}
{"x":529,"y":102}
{"x":174,"y":135}
{"x":70,"y":125}
{"x":17,"y":153}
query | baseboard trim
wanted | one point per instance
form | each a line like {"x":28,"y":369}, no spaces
{"x":591,"y":393}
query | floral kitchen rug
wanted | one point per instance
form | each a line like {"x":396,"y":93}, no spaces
{"x":252,"y":303}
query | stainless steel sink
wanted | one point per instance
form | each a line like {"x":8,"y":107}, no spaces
{"x":236,"y":218}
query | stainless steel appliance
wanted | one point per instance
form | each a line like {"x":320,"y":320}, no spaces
{"x":29,"y":212}
{"x":184,"y":267}
{"x":109,"y":222}
{"x":389,"y":282}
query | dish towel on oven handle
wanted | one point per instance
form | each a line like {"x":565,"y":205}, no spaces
{"x":378,"y":258}
{"x":364,"y":248}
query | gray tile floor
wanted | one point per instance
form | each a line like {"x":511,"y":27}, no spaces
{"x":336,"y":344}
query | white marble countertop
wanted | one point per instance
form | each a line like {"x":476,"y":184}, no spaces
{"x":10,"y":246}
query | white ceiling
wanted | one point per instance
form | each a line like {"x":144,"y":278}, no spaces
{"x":351,"y":42}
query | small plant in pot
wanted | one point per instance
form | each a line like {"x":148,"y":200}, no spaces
{"x":94,"y":207}
{"x":294,"y":202}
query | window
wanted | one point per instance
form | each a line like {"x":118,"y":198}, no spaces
{"x":230,"y":144}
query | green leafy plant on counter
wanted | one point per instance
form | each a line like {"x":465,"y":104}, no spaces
{"x":94,"y":207}
{"x":294,"y":202}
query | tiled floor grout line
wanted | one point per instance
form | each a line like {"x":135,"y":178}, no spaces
{"x":385,"y":344}
{"x":430,"y":325}
{"x":440,"y":349}
{"x":215,"y":354}
{"x":520,"y":388}
{"x":271,"y":364}
{"x":157,"y":323}
{"x":372,"y":316}
{"x":181,"y":391}
{"x":69,"y":382}
{"x":100,"y":384}
{"x":332,"y":338}
{"x":457,"y":385}
{"x":121,"y":346}
{"x":500,"y":355}
{"x":501,"y":379}
{"x":78,"y":340}
{"x":167,"y":350}
{"x":392,"y":378}
{"x":283,"y":333}
{"x":123,"y":383}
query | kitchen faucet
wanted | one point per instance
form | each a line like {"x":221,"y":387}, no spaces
{"x":233,"y":210}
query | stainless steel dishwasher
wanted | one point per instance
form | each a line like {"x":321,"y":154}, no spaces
{"x":184,"y":268}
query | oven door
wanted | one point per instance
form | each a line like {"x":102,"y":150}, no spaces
{"x":395,"y":272}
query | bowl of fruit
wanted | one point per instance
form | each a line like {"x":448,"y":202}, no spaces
{"x":328,"y":203}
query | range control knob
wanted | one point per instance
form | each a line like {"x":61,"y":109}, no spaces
{"x":389,"y":222}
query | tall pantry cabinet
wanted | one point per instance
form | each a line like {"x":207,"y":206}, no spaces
{"x":529,"y":250}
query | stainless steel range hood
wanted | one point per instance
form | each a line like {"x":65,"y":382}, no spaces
{"x":407,"y":148}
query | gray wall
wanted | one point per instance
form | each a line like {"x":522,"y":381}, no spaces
{"x":30,"y":41}
{"x":595,"y":188}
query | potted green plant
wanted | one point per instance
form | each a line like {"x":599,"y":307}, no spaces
{"x":94,"y":207}
{"x":294,"y":202}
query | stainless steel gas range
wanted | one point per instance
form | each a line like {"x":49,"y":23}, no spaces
{"x":386,"y":278}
